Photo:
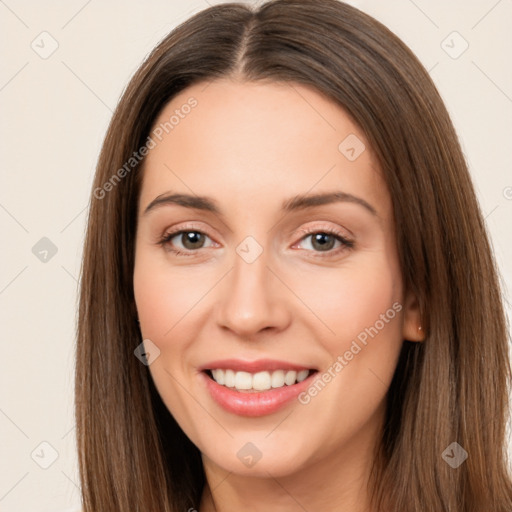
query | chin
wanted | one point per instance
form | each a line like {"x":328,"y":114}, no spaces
{"x":259,"y":459}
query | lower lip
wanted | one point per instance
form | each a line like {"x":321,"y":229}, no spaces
{"x":254,"y":403}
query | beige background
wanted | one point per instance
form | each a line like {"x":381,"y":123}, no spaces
{"x":55,"y":111}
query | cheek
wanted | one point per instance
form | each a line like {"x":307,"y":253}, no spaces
{"x":162,"y":297}
{"x":361,"y":310}
{"x":353,"y":298}
{"x":153,"y":302}
{"x":360,"y":307}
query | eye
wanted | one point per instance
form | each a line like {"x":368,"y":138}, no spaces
{"x":324,"y":240}
{"x":191,"y":240}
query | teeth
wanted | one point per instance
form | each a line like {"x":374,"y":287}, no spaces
{"x":260,"y":381}
{"x":218,"y":375}
{"x":290,"y":377}
{"x":277,"y":379}
{"x":302,"y":375}
{"x":243,"y":380}
{"x":229,"y":378}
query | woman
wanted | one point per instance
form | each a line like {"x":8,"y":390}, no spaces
{"x":288,"y":296}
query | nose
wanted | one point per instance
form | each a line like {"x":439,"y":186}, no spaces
{"x":253,"y":298}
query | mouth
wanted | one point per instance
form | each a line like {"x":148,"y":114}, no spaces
{"x":257,"y":388}
{"x":246,"y":382}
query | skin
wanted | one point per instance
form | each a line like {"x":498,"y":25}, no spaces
{"x":250,"y":146}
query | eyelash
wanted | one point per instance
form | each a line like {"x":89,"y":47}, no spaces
{"x":164,"y":241}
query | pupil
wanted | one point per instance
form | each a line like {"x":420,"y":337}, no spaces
{"x":320,"y":239}
{"x":192,"y":238}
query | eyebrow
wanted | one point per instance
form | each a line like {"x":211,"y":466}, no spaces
{"x":295,"y":203}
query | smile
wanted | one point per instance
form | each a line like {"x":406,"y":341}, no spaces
{"x":260,"y":381}
{"x":255,"y":388}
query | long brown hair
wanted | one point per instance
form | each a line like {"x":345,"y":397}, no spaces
{"x":133,"y":457}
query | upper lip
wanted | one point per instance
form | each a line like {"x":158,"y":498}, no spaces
{"x":259,"y":365}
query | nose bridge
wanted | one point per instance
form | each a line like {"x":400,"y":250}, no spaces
{"x":251,"y":300}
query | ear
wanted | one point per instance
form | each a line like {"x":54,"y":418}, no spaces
{"x":412,"y":329}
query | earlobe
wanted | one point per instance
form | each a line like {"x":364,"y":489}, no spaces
{"x":412,"y":329}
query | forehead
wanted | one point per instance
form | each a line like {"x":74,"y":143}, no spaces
{"x":250,"y":144}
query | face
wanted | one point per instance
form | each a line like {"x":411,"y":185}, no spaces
{"x":278,"y":317}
